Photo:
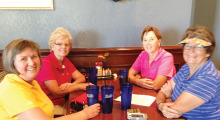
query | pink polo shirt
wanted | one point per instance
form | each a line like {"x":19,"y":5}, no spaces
{"x":163,"y":64}
{"x":51,"y":70}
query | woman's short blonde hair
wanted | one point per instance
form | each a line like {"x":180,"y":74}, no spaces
{"x":15,"y":47}
{"x":56,"y":34}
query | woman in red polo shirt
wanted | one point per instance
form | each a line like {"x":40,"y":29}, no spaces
{"x":57,"y":71}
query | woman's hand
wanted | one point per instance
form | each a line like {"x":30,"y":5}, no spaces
{"x":91,"y":111}
{"x":167,"y":89}
{"x":145,"y":83}
{"x":167,"y":111}
{"x":65,"y":86}
{"x":83,"y":85}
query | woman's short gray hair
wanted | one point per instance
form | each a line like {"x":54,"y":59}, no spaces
{"x":203,"y":33}
{"x":56,"y":34}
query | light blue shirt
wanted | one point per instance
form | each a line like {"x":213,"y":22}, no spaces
{"x":205,"y":84}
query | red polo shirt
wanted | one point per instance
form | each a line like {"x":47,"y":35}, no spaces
{"x":52,"y":70}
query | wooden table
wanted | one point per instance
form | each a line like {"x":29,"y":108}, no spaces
{"x":117,"y":113}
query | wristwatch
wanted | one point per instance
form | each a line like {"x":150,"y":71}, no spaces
{"x":158,"y":105}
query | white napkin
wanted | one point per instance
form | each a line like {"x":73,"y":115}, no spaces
{"x":144,"y":100}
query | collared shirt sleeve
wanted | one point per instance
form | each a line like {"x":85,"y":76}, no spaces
{"x":204,"y":86}
{"x":137,"y":64}
{"x":19,"y":103}
{"x":20,"y":96}
{"x":47,"y":72}
{"x":166,"y":66}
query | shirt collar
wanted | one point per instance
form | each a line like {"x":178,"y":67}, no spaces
{"x":159,"y":54}
{"x":201,"y":68}
{"x":16,"y":78}
{"x":56,"y":63}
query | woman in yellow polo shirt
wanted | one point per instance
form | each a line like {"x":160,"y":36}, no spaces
{"x":21,"y":97}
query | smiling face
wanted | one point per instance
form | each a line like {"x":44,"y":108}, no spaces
{"x":151,"y":43}
{"x":61,"y":47}
{"x":194,"y":54}
{"x":27,"y":63}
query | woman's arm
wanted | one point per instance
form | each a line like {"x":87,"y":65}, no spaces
{"x":147,"y":83}
{"x":79,"y":80}
{"x":66,"y":88}
{"x":56,"y":90}
{"x":186,"y":102}
{"x":165,"y":92}
{"x":152,"y":84}
{"x":164,"y":102}
{"x":164,"y":106}
{"x":158,"y":82}
{"x":78,"y":77}
{"x":135,"y":78}
{"x":38,"y":114}
{"x":133,"y":75}
{"x":33,"y":114}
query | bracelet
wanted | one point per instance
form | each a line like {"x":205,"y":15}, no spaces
{"x":168,"y":97}
{"x":159,"y":104}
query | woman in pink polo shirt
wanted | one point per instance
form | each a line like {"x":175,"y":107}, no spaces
{"x":57,"y":71}
{"x":155,"y":64}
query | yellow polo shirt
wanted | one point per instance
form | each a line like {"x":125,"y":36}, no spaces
{"x":17,"y":96}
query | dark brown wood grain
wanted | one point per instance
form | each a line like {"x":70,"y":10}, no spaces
{"x":119,"y":57}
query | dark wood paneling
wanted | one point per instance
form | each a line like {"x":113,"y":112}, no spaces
{"x":119,"y":57}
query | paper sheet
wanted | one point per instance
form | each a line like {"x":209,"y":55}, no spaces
{"x":144,"y":100}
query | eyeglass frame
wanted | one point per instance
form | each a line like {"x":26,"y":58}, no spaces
{"x":195,"y":47}
{"x":61,"y":44}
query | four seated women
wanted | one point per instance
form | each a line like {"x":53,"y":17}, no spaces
{"x":192,"y":93}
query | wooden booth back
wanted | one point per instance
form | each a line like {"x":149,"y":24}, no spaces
{"x":118,"y":58}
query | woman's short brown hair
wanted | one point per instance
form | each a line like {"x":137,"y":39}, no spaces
{"x":15,"y":47}
{"x":203,"y":33}
{"x":56,"y":34}
{"x":154,"y":29}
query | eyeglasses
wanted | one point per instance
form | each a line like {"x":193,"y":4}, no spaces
{"x":195,"y":47}
{"x":61,"y":44}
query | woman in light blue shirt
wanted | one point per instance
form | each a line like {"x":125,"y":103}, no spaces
{"x":195,"y":89}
